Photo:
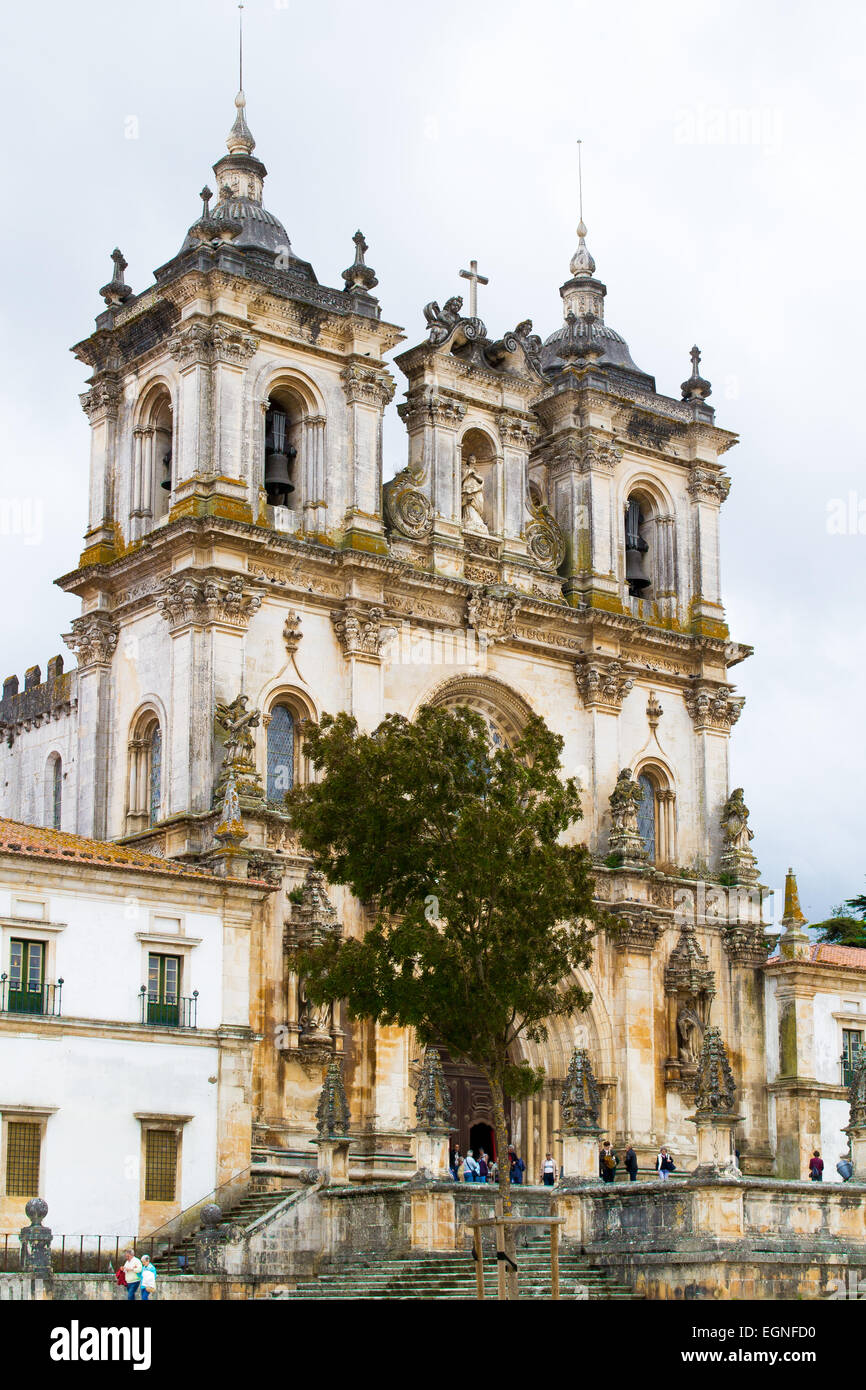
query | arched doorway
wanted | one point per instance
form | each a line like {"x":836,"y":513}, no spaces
{"x":472,"y":1107}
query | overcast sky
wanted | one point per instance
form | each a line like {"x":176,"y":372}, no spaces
{"x":723,"y":192}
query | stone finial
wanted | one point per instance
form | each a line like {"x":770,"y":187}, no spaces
{"x":714,"y":1084}
{"x":117,"y":291}
{"x":580,"y":1099}
{"x":794,"y":942}
{"x":211,"y":1215}
{"x":582,"y":265}
{"x":360,"y":277}
{"x":240,"y":137}
{"x":36,"y":1239}
{"x":230,"y":829}
{"x":696,"y":388}
{"x":332,"y":1115}
{"x":857,"y":1090}
{"x":433,"y":1098}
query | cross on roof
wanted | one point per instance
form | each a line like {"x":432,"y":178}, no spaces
{"x":474,"y":281}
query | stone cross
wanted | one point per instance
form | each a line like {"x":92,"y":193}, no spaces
{"x":474,"y":281}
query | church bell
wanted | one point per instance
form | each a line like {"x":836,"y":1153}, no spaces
{"x":635,"y":550}
{"x":165,"y":480}
{"x":278,"y":456}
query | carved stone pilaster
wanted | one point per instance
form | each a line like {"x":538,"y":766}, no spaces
{"x":492,"y":611}
{"x":707,"y":486}
{"x":516,"y":432}
{"x":588,"y":455}
{"x":602,"y":684}
{"x":713,"y":706}
{"x":367,"y":385}
{"x":431,"y":407}
{"x":362,"y":632}
{"x":202,"y":600}
{"x":93,"y":639}
{"x":102,"y":401}
{"x":745,"y":944}
{"x":208,"y":343}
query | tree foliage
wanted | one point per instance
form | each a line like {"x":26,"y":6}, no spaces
{"x":845,"y":929}
{"x":481,"y":912}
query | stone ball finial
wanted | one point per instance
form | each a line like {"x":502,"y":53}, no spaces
{"x":37,"y":1210}
{"x":211,"y":1215}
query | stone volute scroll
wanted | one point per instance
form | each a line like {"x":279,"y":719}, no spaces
{"x":715,"y":1110}
{"x":625,"y":837}
{"x":580,"y":1128}
{"x":737,"y":859}
{"x":544,"y":539}
{"x":433,"y":1115}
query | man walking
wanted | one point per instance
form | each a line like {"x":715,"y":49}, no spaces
{"x":132,"y":1274}
{"x":607,"y":1162}
{"x":631,"y":1163}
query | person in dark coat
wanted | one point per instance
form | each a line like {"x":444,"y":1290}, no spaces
{"x":631,"y":1164}
{"x":517,"y":1166}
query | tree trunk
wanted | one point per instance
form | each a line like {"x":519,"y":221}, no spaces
{"x":499,"y":1125}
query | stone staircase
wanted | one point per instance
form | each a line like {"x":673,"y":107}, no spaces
{"x":453,"y":1276}
{"x":248,"y":1210}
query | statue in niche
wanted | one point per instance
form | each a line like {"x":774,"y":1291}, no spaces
{"x":472,"y":494}
{"x":689,"y":1036}
{"x":625,"y":799}
{"x":315,"y":1019}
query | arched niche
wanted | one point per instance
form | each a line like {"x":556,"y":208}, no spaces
{"x":479,"y":483}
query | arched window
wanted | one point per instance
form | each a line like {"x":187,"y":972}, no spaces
{"x":152,"y":471}
{"x":281,"y":754}
{"x":284,"y":423}
{"x":144,"y":779}
{"x":637,"y":559}
{"x":53,"y":791}
{"x":649,"y":535}
{"x":656,"y":816}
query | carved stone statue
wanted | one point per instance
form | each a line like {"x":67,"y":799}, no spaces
{"x":237,"y":721}
{"x":689,"y":1037}
{"x":625,"y":837}
{"x":315,"y":1019}
{"x":472,"y":493}
{"x":735,"y":822}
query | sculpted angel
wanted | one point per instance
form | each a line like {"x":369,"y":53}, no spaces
{"x":237,"y":722}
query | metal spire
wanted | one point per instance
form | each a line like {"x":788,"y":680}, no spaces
{"x":240,"y":139}
{"x":582,"y":263}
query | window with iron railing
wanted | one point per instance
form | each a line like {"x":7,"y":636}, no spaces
{"x":162,"y":1004}
{"x":852,"y":1039}
{"x":23,"y":990}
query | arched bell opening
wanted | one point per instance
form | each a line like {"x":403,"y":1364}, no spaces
{"x":284,"y":418}
{"x":638,"y":559}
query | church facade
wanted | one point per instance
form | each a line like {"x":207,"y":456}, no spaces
{"x":551,"y":546}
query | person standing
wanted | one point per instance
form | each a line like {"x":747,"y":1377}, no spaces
{"x":483,"y":1167}
{"x":548,"y":1171}
{"x":148,"y":1278}
{"x":607,"y":1162}
{"x":470,"y":1168}
{"x":518,"y":1167}
{"x":631,"y":1163}
{"x":664,"y":1164}
{"x":132,"y":1274}
{"x":816,"y":1167}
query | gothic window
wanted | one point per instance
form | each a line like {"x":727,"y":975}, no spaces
{"x":144,"y":780}
{"x":281,"y":754}
{"x":656,"y":816}
{"x":53,"y":791}
{"x":646,"y":816}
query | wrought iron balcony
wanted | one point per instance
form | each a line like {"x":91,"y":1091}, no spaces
{"x":167,"y":1012}
{"x":16,"y":998}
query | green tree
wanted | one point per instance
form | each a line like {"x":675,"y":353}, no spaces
{"x":844,"y":928}
{"x":482,"y":914}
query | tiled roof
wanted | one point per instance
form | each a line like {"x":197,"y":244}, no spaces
{"x":38,"y":842}
{"x":828,"y":953}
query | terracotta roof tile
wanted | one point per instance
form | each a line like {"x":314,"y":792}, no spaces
{"x":38,"y":842}
{"x":829,"y":953}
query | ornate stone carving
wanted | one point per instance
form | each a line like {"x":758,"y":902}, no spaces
{"x":239,"y":766}
{"x":441,"y":322}
{"x":624,"y":836}
{"x":690,"y":987}
{"x":360,"y":278}
{"x":332,"y":1114}
{"x":737,"y":857}
{"x":654,"y":710}
{"x":431,"y":407}
{"x":292,"y":631}
{"x":367,"y":385}
{"x":207,"y":343}
{"x":688,"y":973}
{"x":746,"y":943}
{"x":407,"y":509}
{"x":492,"y":612}
{"x":313,"y":920}
{"x":707,"y":486}
{"x":516,"y":432}
{"x":103,"y":399}
{"x":580,"y":1099}
{"x":857,"y":1090}
{"x":93,"y":639}
{"x":432,"y":1098}
{"x":591,"y":454}
{"x":602,"y":684}
{"x":638,"y":930}
{"x":713,"y":706}
{"x":117,"y":291}
{"x":362,"y":632}
{"x":715,"y":1091}
{"x":192,"y":598}
{"x":544,"y":538}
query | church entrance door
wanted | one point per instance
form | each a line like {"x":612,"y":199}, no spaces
{"x":472,"y":1105}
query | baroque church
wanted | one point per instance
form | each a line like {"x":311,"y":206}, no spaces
{"x":551,"y":546}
